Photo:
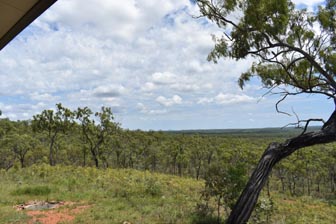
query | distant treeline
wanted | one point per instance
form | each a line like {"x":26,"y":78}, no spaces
{"x":274,"y":132}
{"x":85,"y":138}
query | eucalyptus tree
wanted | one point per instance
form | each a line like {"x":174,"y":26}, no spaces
{"x":95,"y":130}
{"x":21,"y":141}
{"x":198,"y":154}
{"x":294,"y":52}
{"x":7,"y":157}
{"x":53,"y":123}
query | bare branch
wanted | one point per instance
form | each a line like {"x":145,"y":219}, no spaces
{"x":277,"y":105}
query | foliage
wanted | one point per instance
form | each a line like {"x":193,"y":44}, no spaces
{"x":264,"y":210}
{"x":221,"y":158}
{"x":53,"y":123}
{"x":291,"y":47}
{"x":294,"y":52}
{"x":95,"y":134}
{"x":223,"y":184}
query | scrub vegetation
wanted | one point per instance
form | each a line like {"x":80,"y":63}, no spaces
{"x":157,"y":177}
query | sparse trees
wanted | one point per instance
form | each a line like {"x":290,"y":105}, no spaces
{"x":54,"y":124}
{"x":294,"y":52}
{"x":21,"y":141}
{"x":95,"y":130}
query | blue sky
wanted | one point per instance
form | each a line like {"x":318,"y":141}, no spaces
{"x":146,"y":59}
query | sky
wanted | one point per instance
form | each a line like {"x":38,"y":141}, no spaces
{"x":147,"y":60}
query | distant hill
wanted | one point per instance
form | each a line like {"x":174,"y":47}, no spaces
{"x":288,"y":131}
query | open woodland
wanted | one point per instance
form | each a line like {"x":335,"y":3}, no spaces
{"x":156,"y":176}
{"x":98,"y":172}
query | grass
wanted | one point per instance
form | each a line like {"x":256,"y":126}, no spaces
{"x":33,"y":191}
{"x":122,"y":195}
{"x":114,"y":195}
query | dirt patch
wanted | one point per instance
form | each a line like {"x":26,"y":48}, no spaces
{"x":39,"y":205}
{"x":58,"y":212}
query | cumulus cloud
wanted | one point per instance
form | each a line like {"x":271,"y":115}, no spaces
{"x":149,"y":87}
{"x":111,"y":18}
{"x":163,"y":78}
{"x":180,"y":83}
{"x":169,"y":101}
{"x":20,"y":111}
{"x":145,"y":110}
{"x":119,"y":54}
{"x":110,"y":91}
{"x":43,"y":97}
{"x":227,"y":98}
{"x":205,"y":100}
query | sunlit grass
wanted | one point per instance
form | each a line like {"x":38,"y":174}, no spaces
{"x":122,"y":195}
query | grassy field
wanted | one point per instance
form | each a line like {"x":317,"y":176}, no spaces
{"x":116,"y":196}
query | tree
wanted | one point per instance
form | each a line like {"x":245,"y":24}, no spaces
{"x":294,"y":52}
{"x":95,"y":135}
{"x":54,"y":123}
{"x":224,"y":183}
{"x":21,"y":141}
{"x":7,"y":157}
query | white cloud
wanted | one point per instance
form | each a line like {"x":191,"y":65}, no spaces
{"x":109,"y":91}
{"x":149,"y":87}
{"x":205,"y":100}
{"x":185,"y":87}
{"x":118,"y":54}
{"x":227,"y":98}
{"x":163,"y":78}
{"x":20,"y":111}
{"x":124,"y":20}
{"x":143,"y":109}
{"x":43,"y":97}
{"x":169,"y":101}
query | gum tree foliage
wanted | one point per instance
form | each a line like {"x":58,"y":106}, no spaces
{"x":294,"y":52}
{"x":96,"y":130}
{"x":54,"y":123}
{"x":224,"y":184}
{"x":7,"y":157}
{"x":21,"y":141}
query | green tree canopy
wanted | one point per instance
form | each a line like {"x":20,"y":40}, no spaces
{"x":96,"y":130}
{"x":294,"y":52}
{"x":292,"y":47}
{"x":54,"y":124}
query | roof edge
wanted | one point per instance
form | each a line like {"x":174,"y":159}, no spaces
{"x":25,"y":20}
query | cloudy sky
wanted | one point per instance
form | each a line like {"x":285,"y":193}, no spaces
{"x":144,"y":58}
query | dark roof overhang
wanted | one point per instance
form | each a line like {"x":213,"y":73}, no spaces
{"x":15,"y":15}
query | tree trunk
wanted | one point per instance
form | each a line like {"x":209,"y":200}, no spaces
{"x":96,"y":161}
{"x":22,"y":161}
{"x":282,"y":184}
{"x":275,"y":152}
{"x":94,"y":155}
{"x":52,"y":159}
{"x":51,"y":153}
{"x":84,"y":157}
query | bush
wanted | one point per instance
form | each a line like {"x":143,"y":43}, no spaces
{"x":152,"y":187}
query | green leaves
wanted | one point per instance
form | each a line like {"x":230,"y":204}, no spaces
{"x":95,"y":135}
{"x":291,"y":47}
